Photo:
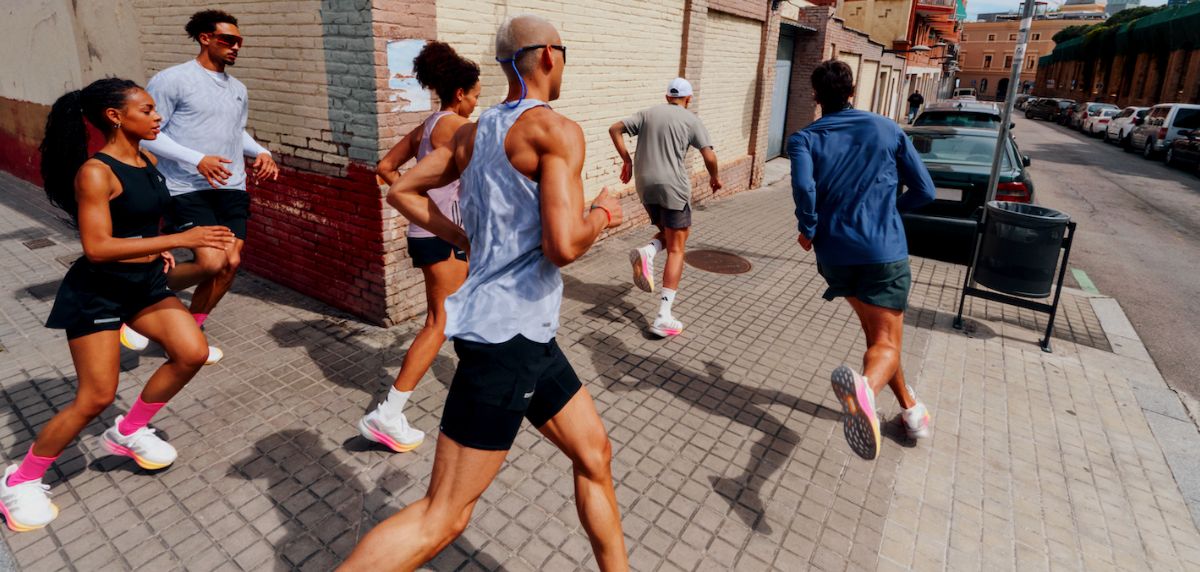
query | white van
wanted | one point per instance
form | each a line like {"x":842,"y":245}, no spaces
{"x":964,"y":93}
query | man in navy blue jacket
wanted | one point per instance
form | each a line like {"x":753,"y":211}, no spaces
{"x":846,"y":167}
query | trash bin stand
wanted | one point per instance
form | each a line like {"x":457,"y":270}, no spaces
{"x":1051,"y":309}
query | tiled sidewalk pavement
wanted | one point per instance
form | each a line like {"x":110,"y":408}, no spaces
{"x":728,"y":452}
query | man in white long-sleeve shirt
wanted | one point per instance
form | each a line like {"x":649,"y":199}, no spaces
{"x":201,"y":145}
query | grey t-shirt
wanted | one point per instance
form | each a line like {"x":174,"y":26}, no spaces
{"x":664,"y":134}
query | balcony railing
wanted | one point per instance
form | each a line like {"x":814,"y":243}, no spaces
{"x":937,"y":3}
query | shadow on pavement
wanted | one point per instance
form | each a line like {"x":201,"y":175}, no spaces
{"x":346,"y":361}
{"x":323,"y":504}
{"x":608,"y":301}
{"x":768,"y":454}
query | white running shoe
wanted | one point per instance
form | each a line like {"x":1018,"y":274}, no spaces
{"x":916,"y":421}
{"x":133,"y":340}
{"x":396,"y":434}
{"x":26,"y":506}
{"x":147,"y":449}
{"x":643,"y":269}
{"x":214,"y":355}
{"x":666,"y":327}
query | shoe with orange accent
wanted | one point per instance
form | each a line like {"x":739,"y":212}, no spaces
{"x":143,"y":446}
{"x":860,"y":423}
{"x":643,"y":269}
{"x":666,"y":327}
{"x":133,"y":340}
{"x":26,"y":506}
{"x":395,"y":434}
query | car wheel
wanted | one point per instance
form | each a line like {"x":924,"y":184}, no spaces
{"x":1148,"y":150}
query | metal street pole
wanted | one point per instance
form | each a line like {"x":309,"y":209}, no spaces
{"x":1014,"y":84}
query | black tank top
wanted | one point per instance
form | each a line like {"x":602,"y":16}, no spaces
{"x":138,"y":210}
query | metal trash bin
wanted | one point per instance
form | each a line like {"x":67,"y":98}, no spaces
{"x":1020,"y":247}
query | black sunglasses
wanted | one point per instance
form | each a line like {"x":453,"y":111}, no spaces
{"x":562,"y":49}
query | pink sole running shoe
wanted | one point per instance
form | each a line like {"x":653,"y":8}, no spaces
{"x":860,"y":423}
{"x":643,"y":269}
{"x":666,"y":328}
{"x":397,"y":436}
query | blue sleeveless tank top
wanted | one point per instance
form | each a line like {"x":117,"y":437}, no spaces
{"x":511,"y":287}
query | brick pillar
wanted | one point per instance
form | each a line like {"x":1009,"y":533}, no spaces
{"x":1191,"y":80}
{"x":762,"y":102}
{"x":811,"y":49}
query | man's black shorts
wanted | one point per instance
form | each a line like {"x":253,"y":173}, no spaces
{"x":217,"y":207}
{"x":498,"y":384}
{"x":668,"y":218}
{"x":885,"y":285}
{"x":98,"y":297}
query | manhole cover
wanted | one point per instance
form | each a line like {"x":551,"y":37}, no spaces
{"x":717,"y":261}
{"x":38,"y":243}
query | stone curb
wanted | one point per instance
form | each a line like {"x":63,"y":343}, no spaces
{"x":1169,"y":414}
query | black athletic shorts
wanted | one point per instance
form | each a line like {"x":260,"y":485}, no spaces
{"x":498,"y":384}
{"x":884,"y":285}
{"x":667,"y":218}
{"x":217,"y":207}
{"x":425,"y":251}
{"x":98,"y":297}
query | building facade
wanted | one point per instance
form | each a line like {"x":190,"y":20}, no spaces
{"x":987,"y":49}
{"x":331,"y":89}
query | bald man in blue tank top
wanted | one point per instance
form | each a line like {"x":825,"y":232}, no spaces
{"x":523,"y":217}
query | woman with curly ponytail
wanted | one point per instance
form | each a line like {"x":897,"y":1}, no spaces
{"x":117,"y":198}
{"x":456,"y":82}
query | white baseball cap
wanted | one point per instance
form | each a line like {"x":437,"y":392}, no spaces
{"x":679,"y":87}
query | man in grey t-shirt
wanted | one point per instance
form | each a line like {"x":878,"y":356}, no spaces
{"x":665,"y":132}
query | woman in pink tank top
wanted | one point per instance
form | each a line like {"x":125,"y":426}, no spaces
{"x":456,"y":82}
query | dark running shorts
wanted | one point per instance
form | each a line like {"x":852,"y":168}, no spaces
{"x":883,"y":285}
{"x":98,"y":297}
{"x":498,"y":384}
{"x":429,"y":250}
{"x":229,"y":208}
{"x":666,"y":218}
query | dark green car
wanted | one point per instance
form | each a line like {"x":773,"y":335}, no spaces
{"x":959,"y":161}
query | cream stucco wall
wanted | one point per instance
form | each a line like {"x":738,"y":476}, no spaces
{"x":53,"y":46}
{"x":728,"y":82}
{"x":620,"y":56}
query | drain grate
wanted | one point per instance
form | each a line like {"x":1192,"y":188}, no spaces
{"x":67,"y":260}
{"x":717,"y":261}
{"x":38,"y":243}
{"x":45,"y":291}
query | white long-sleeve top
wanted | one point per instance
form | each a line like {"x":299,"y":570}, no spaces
{"x":204,"y":113}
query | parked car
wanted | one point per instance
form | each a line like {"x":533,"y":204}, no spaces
{"x":1097,"y":124}
{"x":1085,"y":110}
{"x":960,"y":161}
{"x":1021,"y":99}
{"x":964,"y":92}
{"x":1184,"y":151}
{"x":960,"y":113}
{"x":1162,"y":124}
{"x":1047,"y":108}
{"x":1121,"y":125}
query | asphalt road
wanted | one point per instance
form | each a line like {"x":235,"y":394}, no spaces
{"x":1138,"y":237}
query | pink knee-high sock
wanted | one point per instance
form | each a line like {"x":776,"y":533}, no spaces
{"x":139,"y":416}
{"x":32,"y":468}
{"x":200,"y":318}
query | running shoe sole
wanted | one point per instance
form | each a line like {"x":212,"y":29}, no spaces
{"x":117,"y":449}
{"x":214,"y":355}
{"x":125,"y":341}
{"x":643,"y":270}
{"x":15,"y":526}
{"x":372,"y":434}
{"x":861,"y":428}
{"x":665,"y":332}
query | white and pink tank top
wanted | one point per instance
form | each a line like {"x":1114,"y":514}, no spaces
{"x":446,"y":198}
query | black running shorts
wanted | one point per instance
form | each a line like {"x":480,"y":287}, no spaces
{"x":218,"y":207}
{"x":885,"y":285}
{"x":98,"y":297}
{"x":663,"y":217}
{"x":498,"y":384}
{"x":427,"y":251}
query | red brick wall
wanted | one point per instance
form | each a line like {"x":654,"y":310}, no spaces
{"x":756,"y":9}
{"x":21,"y":129}
{"x":1146,"y":86}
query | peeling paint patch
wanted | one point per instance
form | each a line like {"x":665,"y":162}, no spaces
{"x":401,"y":78}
